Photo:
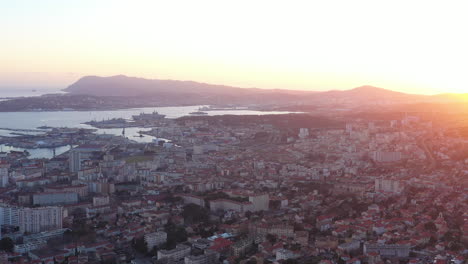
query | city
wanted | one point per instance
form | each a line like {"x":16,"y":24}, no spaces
{"x":233,"y":132}
{"x":221,"y":188}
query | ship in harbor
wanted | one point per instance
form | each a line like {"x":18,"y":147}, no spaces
{"x":148,"y":117}
{"x":198,"y":113}
{"x":220,"y":108}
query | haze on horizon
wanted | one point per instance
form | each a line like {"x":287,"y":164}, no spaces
{"x":409,"y":46}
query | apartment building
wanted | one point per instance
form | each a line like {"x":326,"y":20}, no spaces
{"x":176,"y":254}
{"x":35,"y":220}
{"x":155,"y":239}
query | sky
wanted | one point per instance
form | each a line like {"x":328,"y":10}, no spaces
{"x":411,"y":46}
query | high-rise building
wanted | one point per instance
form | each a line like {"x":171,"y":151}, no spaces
{"x":155,"y":239}
{"x":56,"y":198}
{"x":388,"y":185}
{"x":176,"y":254}
{"x":259,"y":201}
{"x":386,"y":156}
{"x":4,"y":166}
{"x":209,"y":257}
{"x":9,"y":215}
{"x":303,"y":132}
{"x":35,"y":220}
{"x":82,"y":153}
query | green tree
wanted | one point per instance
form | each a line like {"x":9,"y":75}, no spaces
{"x":271,"y":238}
{"x":140,"y":246}
{"x":430,"y":226}
{"x":193,"y":213}
{"x":251,"y":261}
{"x":175,"y":234}
{"x":290,"y":261}
{"x":6,"y":244}
{"x":248,"y":214}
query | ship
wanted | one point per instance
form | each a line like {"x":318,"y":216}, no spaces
{"x":199,"y":113}
{"x":147,"y":117}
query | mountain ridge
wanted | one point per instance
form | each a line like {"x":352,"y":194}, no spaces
{"x":121,"y":85}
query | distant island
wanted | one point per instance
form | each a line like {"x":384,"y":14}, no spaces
{"x":120,"y":92}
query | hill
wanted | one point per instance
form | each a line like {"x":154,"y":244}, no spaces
{"x":190,"y":92}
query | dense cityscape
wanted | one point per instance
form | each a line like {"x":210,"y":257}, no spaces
{"x":290,"y":188}
{"x":233,"y":132}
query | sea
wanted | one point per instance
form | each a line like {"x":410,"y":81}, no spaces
{"x":8,"y":93}
{"x":76,"y":119}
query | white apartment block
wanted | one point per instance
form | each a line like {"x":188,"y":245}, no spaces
{"x":386,"y":156}
{"x":259,"y":202}
{"x":284,"y":254}
{"x":176,"y":254}
{"x":101,"y":200}
{"x":210,"y":257}
{"x":388,"y":185}
{"x":55,"y":198}
{"x":155,"y":239}
{"x":225,"y":204}
{"x":9,"y":215}
{"x":4,"y":175}
{"x":187,"y":198}
{"x":35,"y":220}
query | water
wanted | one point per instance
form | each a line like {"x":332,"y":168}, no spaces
{"x":6,"y":93}
{"x":32,"y":120}
{"x":38,"y":152}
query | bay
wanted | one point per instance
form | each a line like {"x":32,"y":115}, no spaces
{"x":76,"y":119}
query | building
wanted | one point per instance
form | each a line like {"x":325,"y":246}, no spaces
{"x":57,"y":198}
{"x":151,"y":180}
{"x":35,"y":220}
{"x":257,"y":201}
{"x":29,"y":246}
{"x":102,"y":187}
{"x":351,"y":246}
{"x":81,"y":189}
{"x":101,"y":200}
{"x":4,"y":166}
{"x":239,"y":248}
{"x":9,"y":215}
{"x":187,"y":198}
{"x":155,"y":239}
{"x":388,"y":250}
{"x":225,"y":204}
{"x":386,"y":156}
{"x":388,"y":185}
{"x":303,"y":132}
{"x":176,"y":254}
{"x":284,"y":254}
{"x":209,"y":257}
{"x":95,"y":210}
{"x":279,"y":230}
{"x":260,"y":202}
{"x":82,"y":153}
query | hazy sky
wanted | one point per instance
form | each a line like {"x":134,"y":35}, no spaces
{"x":411,"y":45}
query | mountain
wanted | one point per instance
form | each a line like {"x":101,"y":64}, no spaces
{"x":178,"y":92}
{"x":121,"y":85}
{"x":187,"y":92}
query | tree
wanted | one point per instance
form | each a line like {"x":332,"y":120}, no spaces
{"x":6,"y":244}
{"x":175,"y":234}
{"x":251,"y":261}
{"x":248,"y":214}
{"x":271,"y":238}
{"x":430,"y":226}
{"x":140,"y":246}
{"x":290,"y":261}
{"x":193,"y":213}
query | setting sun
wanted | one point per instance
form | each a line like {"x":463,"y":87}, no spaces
{"x":409,"y":46}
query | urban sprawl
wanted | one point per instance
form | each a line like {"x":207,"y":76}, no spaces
{"x":224,"y":189}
